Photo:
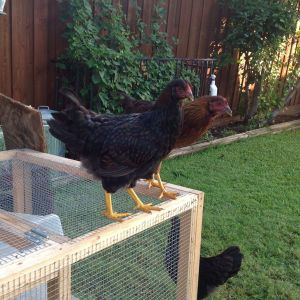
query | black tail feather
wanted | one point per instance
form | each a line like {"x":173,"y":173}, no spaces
{"x":71,"y":126}
{"x":213,"y":272}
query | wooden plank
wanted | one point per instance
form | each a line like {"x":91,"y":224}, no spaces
{"x":54,"y":162}
{"x":116,"y":2}
{"x":22,"y":50}
{"x":173,"y":21}
{"x":52,"y":56}
{"x":18,"y":187}
{"x":211,"y":27}
{"x":297,"y":97}
{"x":184,"y":28}
{"x":56,"y":45}
{"x":27,"y":179}
{"x":74,"y":167}
{"x":5,"y":52}
{"x":22,"y":188}
{"x":131,"y":16}
{"x":59,"y":288}
{"x":165,"y":6}
{"x":194,"y":34}
{"x":285,"y":64}
{"x":222,"y":80}
{"x":203,"y":38}
{"x":147,"y":15}
{"x":231,"y":87}
{"x":40,"y":29}
{"x":189,"y":252}
{"x":235,"y":100}
{"x":124,"y":6}
{"x":92,"y":242}
{"x":7,"y":155}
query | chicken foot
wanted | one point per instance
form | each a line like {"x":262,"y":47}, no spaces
{"x":159,"y":184}
{"x":109,"y":213}
{"x":139,"y":204}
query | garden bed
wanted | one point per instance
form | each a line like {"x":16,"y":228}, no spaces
{"x":232,"y":138}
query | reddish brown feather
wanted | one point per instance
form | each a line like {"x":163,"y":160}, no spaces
{"x":196,"y":121}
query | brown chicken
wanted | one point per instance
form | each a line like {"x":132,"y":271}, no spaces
{"x":197,"y":119}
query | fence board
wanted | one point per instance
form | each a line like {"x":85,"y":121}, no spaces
{"x":131,"y":16}
{"x":22,"y":50}
{"x":173,"y":20}
{"x":5,"y":52}
{"x":195,"y":26}
{"x":184,"y":28}
{"x":40,"y":51}
{"x":146,"y":15}
{"x":205,"y":27}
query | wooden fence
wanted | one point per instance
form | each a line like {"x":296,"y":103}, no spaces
{"x":30,"y":38}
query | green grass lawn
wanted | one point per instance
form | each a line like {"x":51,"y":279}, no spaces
{"x":252,"y":199}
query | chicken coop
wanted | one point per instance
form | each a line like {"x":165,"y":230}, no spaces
{"x":56,"y":245}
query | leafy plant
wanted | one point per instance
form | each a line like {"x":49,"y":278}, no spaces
{"x":100,"y":41}
{"x":256,"y":30}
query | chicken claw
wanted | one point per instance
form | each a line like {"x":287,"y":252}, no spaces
{"x":153,"y":183}
{"x":170,"y":195}
{"x":115,"y":216}
{"x":147,"y":208}
{"x":159,"y":184}
{"x":140,"y":205}
{"x":109,"y":213}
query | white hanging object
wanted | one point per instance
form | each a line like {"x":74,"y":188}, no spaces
{"x":213,"y":89}
{"x":2,"y":3}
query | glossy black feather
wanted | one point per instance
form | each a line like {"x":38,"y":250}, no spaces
{"x":119,"y":149}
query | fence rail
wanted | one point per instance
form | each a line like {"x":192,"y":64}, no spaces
{"x":79,"y":77}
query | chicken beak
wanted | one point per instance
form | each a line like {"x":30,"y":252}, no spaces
{"x":189,"y":93}
{"x":190,"y":96}
{"x":228,"y":111}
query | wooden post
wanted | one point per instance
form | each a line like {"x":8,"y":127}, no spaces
{"x":59,"y":288}
{"x":189,"y":252}
{"x":22,"y":187}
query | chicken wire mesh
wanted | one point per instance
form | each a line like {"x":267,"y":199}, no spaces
{"x":140,"y":267}
{"x":146,"y":265}
{"x":77,"y":201}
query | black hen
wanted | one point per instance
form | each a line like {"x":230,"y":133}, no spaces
{"x":119,"y":150}
{"x":213,"y":272}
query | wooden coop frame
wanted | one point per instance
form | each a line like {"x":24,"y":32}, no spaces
{"x":52,"y":265}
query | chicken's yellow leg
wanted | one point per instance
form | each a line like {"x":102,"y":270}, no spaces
{"x":152,"y":182}
{"x":164,"y":192}
{"x":109,"y":213}
{"x":139,"y":204}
